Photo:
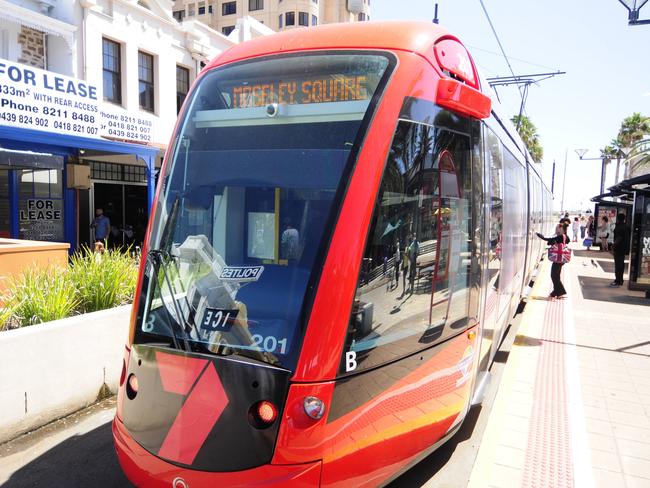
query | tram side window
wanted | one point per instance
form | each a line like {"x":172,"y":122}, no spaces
{"x":495,"y":161}
{"x":413,"y":288}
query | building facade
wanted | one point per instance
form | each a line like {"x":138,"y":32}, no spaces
{"x":279,"y":15}
{"x":90,"y":93}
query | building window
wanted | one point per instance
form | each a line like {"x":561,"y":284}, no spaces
{"x":303,"y":18}
{"x":201,"y":10}
{"x":280,"y":20}
{"x":315,"y":1}
{"x":145,"y":79}
{"x":314,"y":20}
{"x":290,"y":18}
{"x":229,"y":8}
{"x":179,"y":15}
{"x":362,"y":17}
{"x":227,"y":30}
{"x":255,"y":5}
{"x":190,"y":10}
{"x":100,"y":170}
{"x":112,"y":65}
{"x":182,"y":86}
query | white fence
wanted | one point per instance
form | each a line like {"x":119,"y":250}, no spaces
{"x":50,"y":370}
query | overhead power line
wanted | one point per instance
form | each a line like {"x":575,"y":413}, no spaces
{"x":499,"y":43}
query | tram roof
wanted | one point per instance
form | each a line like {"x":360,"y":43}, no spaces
{"x":412,"y":36}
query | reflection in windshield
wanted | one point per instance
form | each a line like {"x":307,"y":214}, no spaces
{"x":414,"y":281}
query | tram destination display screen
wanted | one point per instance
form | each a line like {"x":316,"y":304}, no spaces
{"x":331,"y":88}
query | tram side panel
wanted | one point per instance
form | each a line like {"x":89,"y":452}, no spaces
{"x":405,"y":372}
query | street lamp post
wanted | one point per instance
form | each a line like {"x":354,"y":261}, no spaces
{"x":633,"y":7}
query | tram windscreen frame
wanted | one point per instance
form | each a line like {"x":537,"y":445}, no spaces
{"x":249,"y":199}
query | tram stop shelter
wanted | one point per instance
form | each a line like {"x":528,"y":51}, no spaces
{"x":634,"y":196}
{"x":40,"y":194}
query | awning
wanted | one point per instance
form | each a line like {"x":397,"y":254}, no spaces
{"x":632,"y":184}
{"x":28,"y":159}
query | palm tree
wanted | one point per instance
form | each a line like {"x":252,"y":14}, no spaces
{"x":528,"y":133}
{"x":633,"y":130}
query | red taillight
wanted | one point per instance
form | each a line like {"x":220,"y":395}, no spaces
{"x":132,"y":387}
{"x":263,"y":414}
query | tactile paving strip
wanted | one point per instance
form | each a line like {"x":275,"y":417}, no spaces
{"x":548,"y":460}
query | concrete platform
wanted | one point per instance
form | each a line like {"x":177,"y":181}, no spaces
{"x":573,"y":406}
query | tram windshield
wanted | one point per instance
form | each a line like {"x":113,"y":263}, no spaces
{"x":246,"y":202}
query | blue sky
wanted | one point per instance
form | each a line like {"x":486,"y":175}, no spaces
{"x":607,"y":64}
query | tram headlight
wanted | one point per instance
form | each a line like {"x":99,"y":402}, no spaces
{"x":314,"y":407}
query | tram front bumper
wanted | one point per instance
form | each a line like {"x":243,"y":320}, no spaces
{"x":144,"y":469}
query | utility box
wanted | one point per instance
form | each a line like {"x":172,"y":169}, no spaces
{"x":78,"y":176}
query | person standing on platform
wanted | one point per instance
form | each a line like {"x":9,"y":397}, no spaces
{"x":621,"y":248}
{"x":583,"y":226}
{"x":604,"y":234}
{"x":591,"y":230}
{"x":575,"y":228}
{"x":102,"y":225}
{"x":560,"y":237}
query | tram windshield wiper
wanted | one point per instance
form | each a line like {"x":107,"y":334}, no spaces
{"x":161,"y":258}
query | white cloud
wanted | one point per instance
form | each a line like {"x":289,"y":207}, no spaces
{"x":646,"y":94}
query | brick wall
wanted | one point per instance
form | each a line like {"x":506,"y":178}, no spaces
{"x":32,"y":44}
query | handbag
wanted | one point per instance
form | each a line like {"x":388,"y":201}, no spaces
{"x":588,"y":242}
{"x":559,"y":252}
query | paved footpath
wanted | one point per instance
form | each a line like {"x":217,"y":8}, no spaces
{"x":573,"y":406}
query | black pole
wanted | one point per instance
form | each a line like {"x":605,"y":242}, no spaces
{"x":553,"y":179}
{"x":435,"y":14}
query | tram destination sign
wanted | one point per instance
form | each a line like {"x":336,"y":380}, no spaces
{"x":333,"y":88}
{"x":33,"y":98}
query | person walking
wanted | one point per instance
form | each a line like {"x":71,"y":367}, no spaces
{"x":621,"y":247}
{"x":560,"y":237}
{"x":575,"y":228}
{"x":102,"y":225}
{"x":583,"y":226}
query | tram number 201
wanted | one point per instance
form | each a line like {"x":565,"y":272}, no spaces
{"x":269,"y":343}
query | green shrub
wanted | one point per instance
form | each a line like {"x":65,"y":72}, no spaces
{"x":41,"y":295}
{"x":103,"y":280}
{"x":5,"y":315}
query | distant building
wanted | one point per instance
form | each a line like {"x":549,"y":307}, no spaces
{"x":279,"y":15}
{"x":91,"y":90}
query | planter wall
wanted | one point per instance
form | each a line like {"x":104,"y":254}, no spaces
{"x":50,"y":370}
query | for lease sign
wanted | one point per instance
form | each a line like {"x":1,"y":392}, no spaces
{"x":37,"y":99}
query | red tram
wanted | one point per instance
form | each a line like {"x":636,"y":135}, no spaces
{"x":342,"y":230}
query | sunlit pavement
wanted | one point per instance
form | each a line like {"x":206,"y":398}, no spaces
{"x":573,"y":407}
{"x":570,"y":406}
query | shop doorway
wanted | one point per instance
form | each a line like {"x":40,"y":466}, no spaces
{"x":126,"y":207}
